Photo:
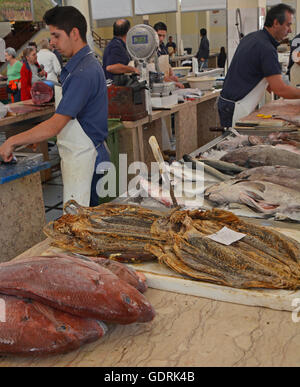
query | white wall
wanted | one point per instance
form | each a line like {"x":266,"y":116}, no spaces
{"x":4,"y":29}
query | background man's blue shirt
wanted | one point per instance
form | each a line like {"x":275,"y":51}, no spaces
{"x":115,"y":52}
{"x":85,"y":94}
{"x":255,"y":58}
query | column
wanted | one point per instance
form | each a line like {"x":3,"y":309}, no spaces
{"x":84,"y":7}
{"x":251,"y":17}
{"x":178,"y":30}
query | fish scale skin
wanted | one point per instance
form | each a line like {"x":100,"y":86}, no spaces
{"x":262,"y":155}
{"x":84,"y":289}
{"x":36,"y":329}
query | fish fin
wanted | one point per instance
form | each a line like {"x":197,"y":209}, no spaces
{"x":249,"y":201}
{"x":254,"y":195}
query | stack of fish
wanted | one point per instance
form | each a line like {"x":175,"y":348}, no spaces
{"x":180,"y":239}
{"x":52,"y":305}
{"x":113,"y":231}
{"x":262,"y":259}
{"x":269,"y":181}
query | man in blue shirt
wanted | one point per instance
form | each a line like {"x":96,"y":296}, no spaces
{"x":116,"y":57}
{"x":161,"y":30}
{"x":255,"y":68}
{"x":80,"y":120}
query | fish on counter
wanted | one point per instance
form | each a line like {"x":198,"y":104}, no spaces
{"x":262,"y":155}
{"x":286,"y":176}
{"x":72,"y":285}
{"x":263,"y":258}
{"x":32,"y":328}
{"x":208,"y":169}
{"x":262,"y":196}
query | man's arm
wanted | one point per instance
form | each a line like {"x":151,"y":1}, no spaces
{"x":119,"y":68}
{"x":281,"y":89}
{"x":39,"y":133}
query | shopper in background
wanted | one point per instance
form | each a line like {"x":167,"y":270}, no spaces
{"x":13,"y":74}
{"x":49,"y":60}
{"x":31,"y":72}
{"x":222,"y":58}
{"x":116,"y":57}
{"x":203,"y":52}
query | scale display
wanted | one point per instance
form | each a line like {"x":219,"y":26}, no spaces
{"x":140,"y":39}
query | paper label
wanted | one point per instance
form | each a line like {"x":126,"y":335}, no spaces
{"x":226,"y":236}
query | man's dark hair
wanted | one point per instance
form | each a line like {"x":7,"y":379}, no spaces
{"x":278,"y":12}
{"x":203,"y":32}
{"x":32,"y":44}
{"x":160,"y":26}
{"x":121,"y":27}
{"x":67,"y":18}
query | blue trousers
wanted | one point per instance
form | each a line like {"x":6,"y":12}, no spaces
{"x":226,"y":110}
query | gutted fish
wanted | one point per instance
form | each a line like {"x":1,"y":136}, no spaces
{"x":263,"y":196}
{"x":286,"y":176}
{"x":75,"y":286}
{"x":32,"y":328}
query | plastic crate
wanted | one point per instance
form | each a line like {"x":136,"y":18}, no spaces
{"x":114,"y":125}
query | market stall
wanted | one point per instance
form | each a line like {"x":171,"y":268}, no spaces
{"x":192,"y":120}
{"x":22,"y":205}
{"x":23,"y":116}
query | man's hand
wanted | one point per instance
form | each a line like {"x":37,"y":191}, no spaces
{"x":6,"y":151}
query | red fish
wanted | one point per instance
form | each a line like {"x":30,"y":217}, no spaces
{"x":72,"y":285}
{"x":31,"y":328}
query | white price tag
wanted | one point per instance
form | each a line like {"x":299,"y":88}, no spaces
{"x":226,"y":236}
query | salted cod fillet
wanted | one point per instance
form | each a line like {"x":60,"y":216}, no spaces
{"x":263,"y":259}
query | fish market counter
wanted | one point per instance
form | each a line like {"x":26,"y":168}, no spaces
{"x":23,"y":116}
{"x":192,"y":122}
{"x":21,"y":205}
{"x":188,"y":331}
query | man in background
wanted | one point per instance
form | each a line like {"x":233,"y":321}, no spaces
{"x":116,"y":57}
{"x":163,"y":55}
{"x":171,"y":46}
{"x":203,"y":52}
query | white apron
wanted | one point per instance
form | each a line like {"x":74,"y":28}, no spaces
{"x":164,"y":64}
{"x":78,"y":157}
{"x":246,"y":106}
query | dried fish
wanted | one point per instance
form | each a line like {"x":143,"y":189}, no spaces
{"x":263,"y":259}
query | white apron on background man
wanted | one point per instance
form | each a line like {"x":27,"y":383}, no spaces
{"x":246,"y":106}
{"x":78,"y":157}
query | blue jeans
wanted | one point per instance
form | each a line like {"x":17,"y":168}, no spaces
{"x":102,"y":156}
{"x":226,"y":110}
